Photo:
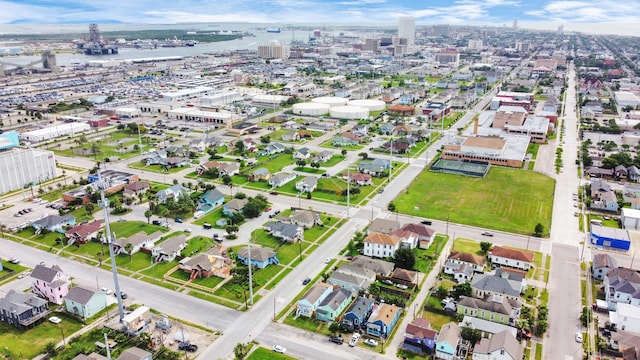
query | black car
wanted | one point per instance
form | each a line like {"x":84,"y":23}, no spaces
{"x":185,"y":346}
{"x":156,"y":222}
{"x":336,"y":339}
{"x":426,"y":222}
{"x":306,"y":281}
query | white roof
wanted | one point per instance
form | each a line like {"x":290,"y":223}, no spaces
{"x":630,"y":213}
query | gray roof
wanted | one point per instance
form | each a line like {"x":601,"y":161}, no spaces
{"x":383,"y":226}
{"x":609,"y":232}
{"x":496,"y":304}
{"x":341,"y":277}
{"x":92,"y":356}
{"x":315,"y":292}
{"x":497,"y":284}
{"x":46,"y":274}
{"x":213,"y":195}
{"x":379,"y":266}
{"x":360,"y":307}
{"x":336,"y":298}
{"x":604,"y":260}
{"x":260,"y":172}
{"x":52,"y":220}
{"x":133,"y":353}
{"x":172,"y":244}
{"x":18,"y":303}
{"x":486,"y":325}
{"x":287,"y":230}
{"x":502,"y":340}
{"x":257,"y":253}
{"x":80,"y":295}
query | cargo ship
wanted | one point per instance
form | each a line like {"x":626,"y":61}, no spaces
{"x":273,"y":30}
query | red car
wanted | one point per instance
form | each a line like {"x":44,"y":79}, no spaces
{"x":268,"y":209}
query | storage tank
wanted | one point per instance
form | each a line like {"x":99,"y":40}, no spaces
{"x":331,"y":100}
{"x":371,"y":104}
{"x":349,"y":112}
{"x":311,"y":109}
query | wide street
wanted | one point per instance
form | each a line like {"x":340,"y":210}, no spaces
{"x":256,"y":323}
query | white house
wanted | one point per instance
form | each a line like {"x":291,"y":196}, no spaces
{"x":622,"y":285}
{"x":518,"y":259}
{"x":381,"y":245}
{"x":501,"y":346}
{"x":308,"y":184}
{"x":626,"y":317}
{"x":281,"y":179}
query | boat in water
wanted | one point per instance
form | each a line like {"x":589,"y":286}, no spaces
{"x":273,"y":30}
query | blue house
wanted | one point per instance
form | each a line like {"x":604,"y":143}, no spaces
{"x":382,"y":320}
{"x":356,"y":315}
{"x":419,"y":337}
{"x":610,"y":237}
{"x":84,"y":302}
{"x":209,"y":201}
{"x":447,"y":342}
{"x":260,"y":257}
{"x":311,"y":300}
{"x":53,"y":223}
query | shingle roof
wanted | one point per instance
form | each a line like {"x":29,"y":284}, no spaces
{"x":381,"y":267}
{"x":133,"y":353}
{"x":46,"y":274}
{"x":421,"y":328}
{"x":360,"y":307}
{"x":336,"y":298}
{"x":502,"y":340}
{"x":315,"y":292}
{"x":384,"y":313}
{"x":514,"y":254}
{"x":80,"y":295}
{"x":604,"y":260}
{"x":383,"y":239}
{"x":488,"y":282}
{"x":259,"y":254}
{"x":467,"y":257}
{"x":449,"y":333}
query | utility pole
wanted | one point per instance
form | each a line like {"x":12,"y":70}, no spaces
{"x":348,"y":190}
{"x":250,"y":277}
{"x":391,"y":158}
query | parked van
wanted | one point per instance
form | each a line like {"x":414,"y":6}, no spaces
{"x":207,"y":226}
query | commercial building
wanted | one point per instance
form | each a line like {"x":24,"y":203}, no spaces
{"x":197,"y":115}
{"x":449,"y":57}
{"x":508,"y":150}
{"x":22,"y":168}
{"x":55,"y":131}
{"x":610,"y":237}
{"x":407,"y":29}
{"x":274,"y":51}
{"x":186,"y":94}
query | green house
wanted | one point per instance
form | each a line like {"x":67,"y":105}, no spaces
{"x":494,"y":308}
{"x":333,"y":305}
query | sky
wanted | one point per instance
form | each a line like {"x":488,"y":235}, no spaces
{"x":604,"y":16}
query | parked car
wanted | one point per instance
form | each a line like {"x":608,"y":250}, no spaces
{"x":14,"y":260}
{"x":579,"y":337}
{"x":426,"y":222}
{"x":486,"y":233}
{"x":354,"y":339}
{"x":55,"y":320}
{"x":279,"y":349}
{"x":380,"y":191}
{"x":336,"y":339}
{"x":185,"y":346}
{"x":179,"y":220}
{"x":123,"y":295}
{"x":402,"y":286}
{"x":105,"y":290}
{"x":306,"y":281}
{"x":371,"y":342}
{"x":273,"y":192}
{"x":156,"y":222}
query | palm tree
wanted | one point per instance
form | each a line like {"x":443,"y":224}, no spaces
{"x":148,"y":215}
{"x":64,"y":174}
{"x":129,"y":249}
{"x":3,"y":227}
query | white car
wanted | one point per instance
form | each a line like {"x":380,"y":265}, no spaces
{"x":371,"y":342}
{"x":279,"y":349}
{"x":55,"y":320}
{"x":354,"y":340}
{"x":579,"y":337}
{"x":105,"y":290}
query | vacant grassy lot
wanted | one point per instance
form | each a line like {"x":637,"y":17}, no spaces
{"x":506,"y":199}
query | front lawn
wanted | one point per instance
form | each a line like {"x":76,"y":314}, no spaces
{"x":506,"y":199}
{"x":267,"y":354}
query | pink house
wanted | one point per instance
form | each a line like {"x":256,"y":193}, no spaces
{"x":50,"y":283}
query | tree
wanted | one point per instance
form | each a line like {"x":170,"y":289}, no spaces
{"x":89,"y":207}
{"x":148,"y":215}
{"x":252,"y":209}
{"x":538,"y":230}
{"x":227,"y":180}
{"x":470,"y":334}
{"x":441,"y":292}
{"x":363,"y":155}
{"x":463,"y":289}
{"x":129,"y":249}
{"x":485,"y":246}
{"x":241,"y":350}
{"x":404,"y":258}
{"x":51,"y":349}
{"x":585,"y":316}
{"x":343,"y":152}
{"x":334,"y":327}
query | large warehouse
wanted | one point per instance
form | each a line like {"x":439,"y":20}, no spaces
{"x":208,"y":117}
{"x":55,"y":131}
{"x":23,"y":167}
{"x":310,"y":109}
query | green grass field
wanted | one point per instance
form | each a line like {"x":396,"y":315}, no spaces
{"x":506,"y":199}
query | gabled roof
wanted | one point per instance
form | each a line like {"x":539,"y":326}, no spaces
{"x":450,"y":334}
{"x":604,"y":260}
{"x":133,"y":353}
{"x":514,"y":254}
{"x":496,"y":284}
{"x":493,"y":303}
{"x":236,"y":204}
{"x":336,"y":298}
{"x":213,"y":195}
{"x":384,"y":313}
{"x":315,"y":292}
{"x":406,"y":275}
{"x":80,"y":295}
{"x":305,"y":216}
{"x":360,"y":307}
{"x":383,"y":226}
{"x":259,"y":254}
{"x":419,"y":229}
{"x":381,"y":267}
{"x":18,"y":302}
{"x":287,"y":230}
{"x":52,"y":220}
{"x":83,"y":230}
{"x":421,"y":328}
{"x":502,"y":340}
{"x":382,"y":239}
{"x":467,"y":257}
{"x":46,"y":274}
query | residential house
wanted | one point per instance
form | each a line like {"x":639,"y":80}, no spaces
{"x":169,"y":249}
{"x":518,"y":259}
{"x":342,"y":141}
{"x":352,"y":277}
{"x":138,"y":241}
{"x":272,"y":149}
{"x":375,"y":167}
{"x":156,"y":158}
{"x":596,"y":172}
{"x":381,"y":245}
{"x":447,"y":342}
{"x":494,"y":308}
{"x":53,"y":223}
{"x":425,"y":235}
{"x":50,"y":282}
{"x":382,"y":320}
{"x":83,"y":233}
{"x":360,"y":130}
{"x":287,"y":232}
{"x":281,"y":179}
{"x":359,"y":179}
{"x":207,"y":264}
{"x":490,"y":284}
{"x":607,"y":201}
{"x":601,"y":265}
{"x":626,"y":317}
{"x":352,"y":136}
{"x":501,"y":346}
{"x":462,"y":272}
{"x":633,"y":173}
{"x":307,"y":184}
{"x":406,"y":277}
{"x":259,"y":174}
{"x":308,"y":304}
{"x":136,"y":188}
{"x":357,"y":313}
{"x":291,"y":136}
{"x":135,"y":353}
{"x":408,"y":239}
{"x":323,"y":156}
{"x":234,"y":206}
{"x":476,"y":262}
{"x":84,"y":302}
{"x":620,"y":172}
{"x":302,"y":154}
{"x":380,"y":267}
{"x":260,"y":257}
{"x":419,"y":337}
{"x":224,"y":168}
{"x":305,"y":218}
{"x":209,"y":201}
{"x":333,"y":305}
{"x":387,"y":128}
{"x":383,"y":226}
{"x":92,"y":356}
{"x":174,"y":192}
{"x":622,"y":285}
{"x":22,"y":310}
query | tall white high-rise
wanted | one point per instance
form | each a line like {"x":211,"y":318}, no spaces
{"x":515,"y":24}
{"x":407,"y":29}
